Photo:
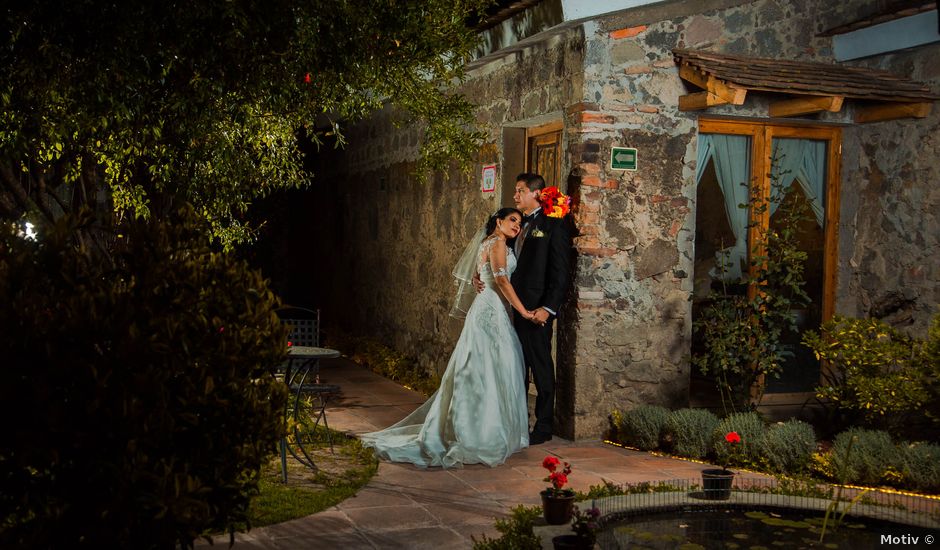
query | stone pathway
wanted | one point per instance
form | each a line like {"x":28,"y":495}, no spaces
{"x":407,"y":507}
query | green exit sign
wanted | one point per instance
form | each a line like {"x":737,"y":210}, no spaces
{"x":623,"y":158}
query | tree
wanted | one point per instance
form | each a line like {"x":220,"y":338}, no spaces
{"x":140,"y":106}
{"x":138,"y":383}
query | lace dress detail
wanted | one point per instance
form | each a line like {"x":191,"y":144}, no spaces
{"x":479,"y":413}
{"x":483,"y":262}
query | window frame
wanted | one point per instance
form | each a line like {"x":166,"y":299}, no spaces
{"x":762,"y":134}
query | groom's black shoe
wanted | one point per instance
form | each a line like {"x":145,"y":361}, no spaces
{"x":537,"y":438}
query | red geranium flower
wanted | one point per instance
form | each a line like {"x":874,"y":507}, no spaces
{"x":308,"y":78}
{"x":558,"y":480}
{"x":734,"y":451}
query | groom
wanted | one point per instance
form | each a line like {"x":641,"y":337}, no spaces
{"x":543,"y":250}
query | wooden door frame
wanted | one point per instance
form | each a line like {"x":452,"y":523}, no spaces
{"x":556,"y":126}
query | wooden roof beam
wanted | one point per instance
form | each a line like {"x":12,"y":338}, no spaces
{"x":892,"y":111}
{"x":699,"y":101}
{"x":712,"y":85}
{"x":806,"y":105}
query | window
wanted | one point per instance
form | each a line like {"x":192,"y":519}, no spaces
{"x":804,"y":161}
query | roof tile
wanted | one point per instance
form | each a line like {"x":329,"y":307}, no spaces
{"x":804,"y":77}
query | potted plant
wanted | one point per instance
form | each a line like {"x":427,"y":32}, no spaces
{"x":584,"y":525}
{"x":716,"y":482}
{"x":557,"y":501}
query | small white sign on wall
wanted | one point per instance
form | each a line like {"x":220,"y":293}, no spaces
{"x":489,"y":178}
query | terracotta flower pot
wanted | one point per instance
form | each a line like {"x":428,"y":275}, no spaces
{"x":557,"y":509}
{"x":716,"y":483}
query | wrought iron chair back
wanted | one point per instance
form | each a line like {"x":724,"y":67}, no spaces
{"x":304,"y":324}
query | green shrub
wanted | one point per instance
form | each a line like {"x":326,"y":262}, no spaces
{"x":748,"y":425}
{"x":868,"y":460}
{"x":921,"y":463}
{"x":137,"y":386}
{"x":641,"y":427}
{"x":610,"y":489}
{"x":690,"y":431}
{"x":787,"y":447}
{"x":928,"y":364}
{"x":516,"y":532}
{"x":878,"y":375}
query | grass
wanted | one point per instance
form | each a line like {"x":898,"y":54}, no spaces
{"x":339,"y":476}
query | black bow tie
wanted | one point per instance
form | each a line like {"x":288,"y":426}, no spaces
{"x":529,"y":217}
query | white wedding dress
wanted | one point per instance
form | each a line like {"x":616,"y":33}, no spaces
{"x":479,"y":413}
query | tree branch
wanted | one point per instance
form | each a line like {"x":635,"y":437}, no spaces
{"x":11,"y":182}
{"x":56,"y":198}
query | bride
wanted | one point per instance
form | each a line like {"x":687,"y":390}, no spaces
{"x":479,"y":413}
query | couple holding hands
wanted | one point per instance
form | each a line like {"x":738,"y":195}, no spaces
{"x":514,"y":275}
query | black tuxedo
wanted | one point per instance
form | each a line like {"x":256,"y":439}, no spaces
{"x":541,"y":280}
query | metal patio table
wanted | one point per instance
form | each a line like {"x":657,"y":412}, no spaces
{"x":303,"y":365}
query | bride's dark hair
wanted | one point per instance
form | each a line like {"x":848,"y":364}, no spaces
{"x":500,"y":214}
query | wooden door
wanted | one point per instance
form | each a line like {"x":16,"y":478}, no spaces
{"x":543,"y":154}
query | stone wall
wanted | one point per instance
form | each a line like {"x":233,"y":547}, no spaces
{"x":890,"y":234}
{"x":634,"y":273}
{"x":624,"y":338}
{"x":636,"y":253}
{"x":398,"y":238}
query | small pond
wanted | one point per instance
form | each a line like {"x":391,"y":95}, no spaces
{"x":769,"y":529}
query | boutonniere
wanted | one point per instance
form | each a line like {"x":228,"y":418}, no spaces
{"x":537,"y":233}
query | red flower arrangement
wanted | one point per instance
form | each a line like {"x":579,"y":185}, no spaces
{"x":554,"y":203}
{"x":558,"y":479}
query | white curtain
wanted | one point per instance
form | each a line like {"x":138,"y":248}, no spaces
{"x":813,"y":177}
{"x":732,"y":160}
{"x":802,"y":160}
